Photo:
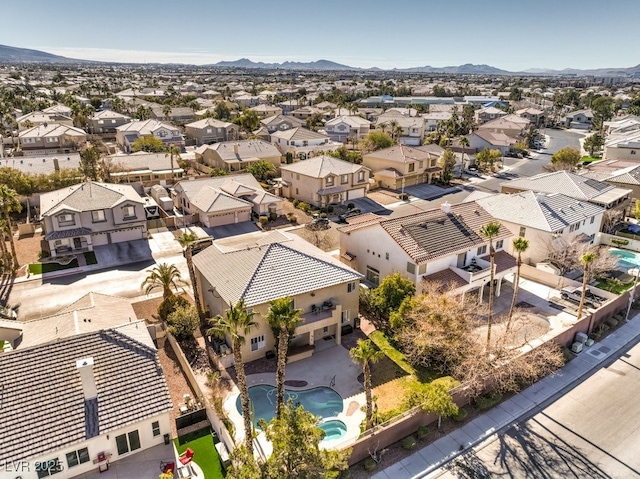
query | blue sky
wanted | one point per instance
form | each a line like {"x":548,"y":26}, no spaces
{"x":509,"y":34}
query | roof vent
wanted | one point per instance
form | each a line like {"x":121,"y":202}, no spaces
{"x":445,"y":207}
{"x":85,"y":368}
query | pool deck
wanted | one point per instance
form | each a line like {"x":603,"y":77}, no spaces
{"x":329,"y":362}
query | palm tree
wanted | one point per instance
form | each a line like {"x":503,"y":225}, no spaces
{"x":5,"y":259}
{"x":587,"y":260}
{"x":165,"y":276}
{"x":364,"y":353}
{"x":464,"y":143}
{"x":490,"y":231}
{"x":520,"y":245}
{"x":172,"y":150}
{"x":393,"y":125}
{"x":383,"y":126}
{"x":166,"y":111}
{"x":237,"y":323}
{"x":185,"y":240}
{"x":9,"y":202}
{"x":398,"y":133}
{"x":284,"y":319}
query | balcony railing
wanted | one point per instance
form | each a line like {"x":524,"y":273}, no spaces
{"x":477,"y":270}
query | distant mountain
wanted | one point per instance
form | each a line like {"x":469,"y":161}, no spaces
{"x":630,"y":71}
{"x":24,"y":55}
{"x":317,"y":65}
{"x":467,"y":68}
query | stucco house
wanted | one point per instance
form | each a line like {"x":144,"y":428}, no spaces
{"x":78,"y":403}
{"x":484,"y":115}
{"x":347,"y":128}
{"x":78,"y":218}
{"x":225,"y":200}
{"x":400,"y":165}
{"x":301,"y":143}
{"x":264,"y":266}
{"x":210,"y":130}
{"x":37,"y":118}
{"x":53,"y":137}
{"x":128,"y":133}
{"x":542,"y":219}
{"x":265,"y":111}
{"x":442,"y":245}
{"x":323,"y":180}
{"x":235,"y":156}
{"x":105,"y":123}
{"x":580,"y":119}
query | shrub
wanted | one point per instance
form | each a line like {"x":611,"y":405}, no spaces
{"x":460,"y":416}
{"x":304,"y":206}
{"x":170,"y":304}
{"x":409,"y":443}
{"x":323,"y":215}
{"x":567,"y":354}
{"x":612,"y":322}
{"x":263,"y":220}
{"x":323,"y":211}
{"x":489,"y":400}
{"x":295,"y":202}
{"x":273,"y":216}
{"x":183,"y":321}
{"x":330,"y":209}
{"x":423,"y":431}
{"x":370,"y":464}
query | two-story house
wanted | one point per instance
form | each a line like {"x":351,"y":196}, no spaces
{"x":78,"y":218}
{"x":265,"y":110}
{"x":542,"y":219}
{"x":178,"y":115}
{"x":535,"y":116}
{"x":37,"y":118}
{"x":261,"y":267}
{"x":75,"y":405}
{"x":484,"y":115}
{"x":105,"y":122}
{"x":399,"y":165}
{"x":301,"y":143}
{"x":52,"y":137}
{"x":210,"y":130}
{"x":579,"y":119}
{"x":281,"y":123}
{"x":347,"y":128}
{"x":323,"y":180}
{"x":127,"y":134}
{"x":440,"y":246}
{"x":410,"y":128}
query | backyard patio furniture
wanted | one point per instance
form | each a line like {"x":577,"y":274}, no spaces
{"x":187,"y":456}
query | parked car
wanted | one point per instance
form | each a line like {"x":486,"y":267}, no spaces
{"x":574,"y":293}
{"x":318,"y":223}
{"x":8,"y":313}
{"x":350,"y":213}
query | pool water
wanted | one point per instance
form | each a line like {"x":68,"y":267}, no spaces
{"x":320,"y":401}
{"x":333,"y":429}
{"x":626,"y":259}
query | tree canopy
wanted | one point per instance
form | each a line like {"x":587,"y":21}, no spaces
{"x":376,"y":140}
{"x":567,"y":158}
{"x":149,"y":144}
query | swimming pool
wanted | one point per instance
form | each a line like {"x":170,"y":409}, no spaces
{"x":333,"y":429}
{"x":626,"y":259}
{"x":319,"y":401}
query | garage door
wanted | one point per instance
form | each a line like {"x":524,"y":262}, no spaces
{"x":220,"y":219}
{"x":244,"y":216}
{"x":99,"y":239}
{"x":129,"y":234}
{"x":353,"y":194}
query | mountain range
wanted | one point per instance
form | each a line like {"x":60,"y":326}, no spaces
{"x":10,"y":54}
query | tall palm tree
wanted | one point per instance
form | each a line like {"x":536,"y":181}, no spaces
{"x":9,"y":202}
{"x":464,"y":143}
{"x":393,"y":125}
{"x":6,"y":260}
{"x":520,"y":245}
{"x":185,"y":240}
{"x":364,"y":353}
{"x":383,"y":126}
{"x":172,"y":151}
{"x":284,"y":319}
{"x":165,"y":276}
{"x":237,"y":322}
{"x":490,"y":231}
{"x":587,"y":260}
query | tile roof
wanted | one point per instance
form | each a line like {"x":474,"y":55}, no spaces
{"x":544,"y":212}
{"x":212,"y":122}
{"x":88,"y":196}
{"x":567,"y":183}
{"x":434,"y":234}
{"x":322,"y":166}
{"x":211,"y":200}
{"x":43,"y":405}
{"x":241,"y":267}
{"x":502,"y":260}
{"x":51,"y":130}
{"x":400,"y":154}
{"x":445,"y":278}
{"x":108,"y":114}
{"x":146,"y":127}
{"x":299,"y":133}
{"x":244,"y":149}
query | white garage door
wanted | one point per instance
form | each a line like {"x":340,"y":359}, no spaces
{"x":220,"y":219}
{"x":129,"y":234}
{"x":244,"y":216}
{"x":353,"y":194}
{"x":99,"y":239}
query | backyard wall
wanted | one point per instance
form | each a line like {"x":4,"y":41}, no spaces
{"x":215,"y":421}
{"x":605,"y":239}
{"x":558,"y":282}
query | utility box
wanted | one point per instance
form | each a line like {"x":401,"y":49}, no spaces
{"x":581,"y":338}
{"x":576,"y":347}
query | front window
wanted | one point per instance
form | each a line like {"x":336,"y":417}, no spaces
{"x":329,"y":180}
{"x":373,"y":275}
{"x":78,"y":457}
{"x":412,"y":167}
{"x":98,"y":216}
{"x":344,"y":179}
{"x":360,"y":176}
{"x":499,"y":244}
{"x":411,"y":268}
{"x":346,"y":316}
{"x":523,"y":230}
{"x":66,"y":219}
{"x":155,"y":428}
{"x":351,"y":287}
{"x":482,"y":250}
{"x":129,"y":212}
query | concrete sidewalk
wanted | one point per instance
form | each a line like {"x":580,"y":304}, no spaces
{"x":427,"y":461}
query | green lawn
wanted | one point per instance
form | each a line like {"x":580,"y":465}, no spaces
{"x":41,"y":268}
{"x":613,"y":287}
{"x":589,"y":159}
{"x":205,"y":454}
{"x":90,"y":258}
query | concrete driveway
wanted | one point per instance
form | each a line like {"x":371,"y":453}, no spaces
{"x":117,"y":254}
{"x":367,"y":205}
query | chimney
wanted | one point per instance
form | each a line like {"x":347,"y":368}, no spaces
{"x":445,"y":207}
{"x":235,"y":148}
{"x":56,"y":165}
{"x":85,"y":368}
